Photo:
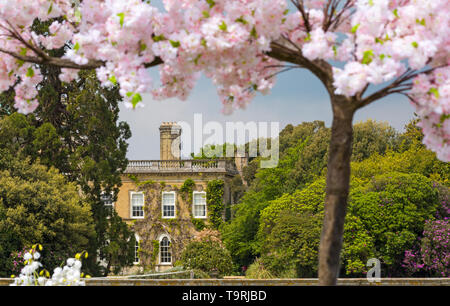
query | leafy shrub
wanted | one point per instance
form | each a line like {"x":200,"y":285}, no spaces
{"x":393,"y":208}
{"x":292,"y":247}
{"x":257,"y":271}
{"x":37,"y":204}
{"x":207,"y":254}
{"x":433,"y":255}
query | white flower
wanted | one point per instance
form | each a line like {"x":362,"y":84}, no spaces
{"x":27,"y":256}
{"x":36,"y":255}
{"x":70,"y":261}
{"x":42,"y":281}
{"x":35,"y":265}
{"x":68,"y":275}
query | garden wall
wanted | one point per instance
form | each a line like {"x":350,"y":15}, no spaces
{"x":257,"y":282}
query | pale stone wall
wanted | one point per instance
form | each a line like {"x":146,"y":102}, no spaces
{"x":122,"y":205}
{"x":180,"y":230}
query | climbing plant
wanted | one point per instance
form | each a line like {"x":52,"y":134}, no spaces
{"x":186,"y":192}
{"x":214,"y":201}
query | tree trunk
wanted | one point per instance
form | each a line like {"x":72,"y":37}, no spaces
{"x":338,"y":183}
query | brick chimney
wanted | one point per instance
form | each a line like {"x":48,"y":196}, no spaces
{"x":170,"y":141}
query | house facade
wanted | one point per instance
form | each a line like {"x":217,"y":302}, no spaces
{"x":168,"y":201}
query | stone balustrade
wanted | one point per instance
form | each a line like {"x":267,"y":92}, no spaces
{"x":187,"y":165}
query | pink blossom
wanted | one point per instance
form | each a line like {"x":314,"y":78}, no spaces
{"x":228,"y":41}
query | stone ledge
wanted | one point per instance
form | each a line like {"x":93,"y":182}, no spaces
{"x":257,"y":282}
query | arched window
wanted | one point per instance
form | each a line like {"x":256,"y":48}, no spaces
{"x":165,"y":254}
{"x":107,"y":200}
{"x":136,"y":250}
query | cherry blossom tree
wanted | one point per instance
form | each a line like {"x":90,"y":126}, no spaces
{"x":361,"y":50}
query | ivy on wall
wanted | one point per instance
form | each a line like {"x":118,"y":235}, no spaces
{"x":214,"y":201}
{"x":181,"y":229}
{"x":186,"y":191}
{"x":153,"y":225}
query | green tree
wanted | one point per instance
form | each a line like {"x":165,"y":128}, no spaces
{"x":417,"y":159}
{"x":303,"y":159}
{"x":207,"y":254}
{"x":372,"y":136}
{"x":86,"y":143}
{"x":393,"y":208}
{"x":76,"y":130}
{"x":385,"y":217}
{"x":38,"y":205}
{"x":303,"y":154}
{"x":358,"y":247}
{"x":289,"y":232}
{"x":117,"y":253}
{"x":291,"y":248}
{"x":297,"y":166}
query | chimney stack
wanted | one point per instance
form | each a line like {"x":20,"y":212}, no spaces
{"x":241,"y":161}
{"x":170,"y":141}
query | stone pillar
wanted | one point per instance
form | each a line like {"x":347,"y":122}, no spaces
{"x":170,"y":141}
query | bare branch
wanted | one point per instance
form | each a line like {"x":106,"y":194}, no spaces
{"x":301,"y":8}
{"x":54,"y":61}
{"x":320,"y":68}
{"x":43,"y":58}
{"x":66,"y":63}
{"x":335,"y":17}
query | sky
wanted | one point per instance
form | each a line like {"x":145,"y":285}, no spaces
{"x":298,"y":96}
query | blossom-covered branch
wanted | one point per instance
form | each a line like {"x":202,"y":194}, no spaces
{"x":349,"y":45}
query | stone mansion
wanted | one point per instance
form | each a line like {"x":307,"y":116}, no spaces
{"x":165,"y":201}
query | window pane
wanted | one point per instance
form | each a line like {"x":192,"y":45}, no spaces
{"x":165,"y":252}
{"x":168,"y":204}
{"x":199,"y":205}
{"x":199,"y":198}
{"x":168,"y":198}
{"x":199,"y":211}
{"x":136,"y":252}
{"x":137,"y":205}
{"x":106,"y":199}
{"x":138,"y":211}
{"x":137,"y":199}
{"x":168,"y":211}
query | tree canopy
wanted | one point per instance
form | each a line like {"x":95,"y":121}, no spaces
{"x":38,"y":205}
{"x":75,"y":129}
{"x":395,"y":187}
